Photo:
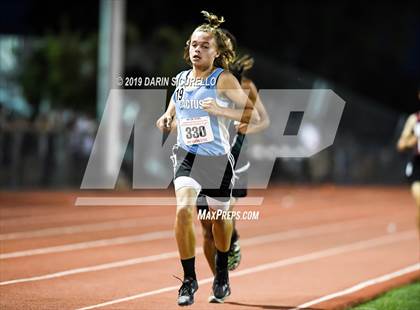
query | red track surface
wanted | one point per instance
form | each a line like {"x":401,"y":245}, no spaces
{"x":308,"y":243}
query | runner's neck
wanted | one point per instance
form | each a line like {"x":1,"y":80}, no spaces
{"x":202,"y":74}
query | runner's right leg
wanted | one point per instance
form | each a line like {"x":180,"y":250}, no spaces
{"x":185,"y":237}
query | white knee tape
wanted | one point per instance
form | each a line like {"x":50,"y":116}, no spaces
{"x":215,"y":204}
{"x":183,"y":181}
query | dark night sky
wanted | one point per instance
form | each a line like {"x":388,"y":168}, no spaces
{"x":370,"y":48}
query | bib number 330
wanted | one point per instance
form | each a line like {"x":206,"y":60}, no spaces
{"x":196,"y":130}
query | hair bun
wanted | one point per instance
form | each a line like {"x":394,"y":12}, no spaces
{"x":212,"y":19}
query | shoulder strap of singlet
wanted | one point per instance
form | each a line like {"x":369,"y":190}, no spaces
{"x":216,"y":73}
{"x":182,"y":76}
{"x":186,"y":73}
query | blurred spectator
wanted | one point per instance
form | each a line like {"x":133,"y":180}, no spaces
{"x":81,"y":138}
{"x":46,"y":130}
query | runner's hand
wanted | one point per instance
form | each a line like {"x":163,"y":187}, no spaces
{"x":247,"y":128}
{"x":242,"y":128}
{"x":164,"y":123}
{"x":209,"y":105}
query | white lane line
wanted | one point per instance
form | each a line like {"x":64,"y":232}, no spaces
{"x":361,"y":245}
{"x":293,"y":234}
{"x":117,"y":264}
{"x":66,"y":230}
{"x":91,"y":244}
{"x":96,"y":227}
{"x":362,"y":285}
{"x":91,"y":227}
{"x":130,"y":239}
{"x":150,"y":201}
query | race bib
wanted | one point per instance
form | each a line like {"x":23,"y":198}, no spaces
{"x":196,"y":130}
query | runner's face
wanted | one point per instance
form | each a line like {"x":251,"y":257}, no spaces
{"x":203,"y":49}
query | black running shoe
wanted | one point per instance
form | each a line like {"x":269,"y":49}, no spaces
{"x":186,"y":292}
{"x":221,"y":288}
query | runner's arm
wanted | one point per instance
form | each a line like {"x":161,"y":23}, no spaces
{"x":407,"y":139}
{"x":264,"y":121}
{"x":229,"y":87}
{"x":166,"y":121}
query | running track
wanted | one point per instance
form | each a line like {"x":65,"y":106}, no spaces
{"x":312,"y":247}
